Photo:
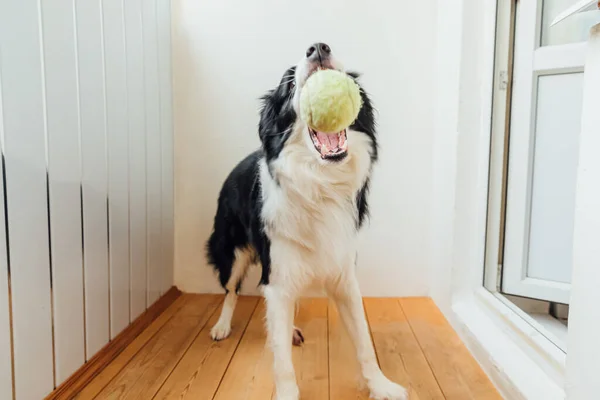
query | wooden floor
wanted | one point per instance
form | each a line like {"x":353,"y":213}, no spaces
{"x":174,"y":358}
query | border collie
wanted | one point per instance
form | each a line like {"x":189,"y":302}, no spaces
{"x":295,"y":207}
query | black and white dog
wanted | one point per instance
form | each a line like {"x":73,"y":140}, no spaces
{"x":295,"y":207}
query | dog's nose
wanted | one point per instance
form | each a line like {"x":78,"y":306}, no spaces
{"x":318,"y":52}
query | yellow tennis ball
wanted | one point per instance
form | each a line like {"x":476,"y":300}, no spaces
{"x":330,"y":101}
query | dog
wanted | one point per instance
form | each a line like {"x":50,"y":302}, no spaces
{"x":295,"y":207}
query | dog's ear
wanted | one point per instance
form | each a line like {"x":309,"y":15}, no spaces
{"x":353,"y":74}
{"x":365,"y":122}
{"x":277,"y":114}
{"x":286,"y":85}
{"x":275,"y":99}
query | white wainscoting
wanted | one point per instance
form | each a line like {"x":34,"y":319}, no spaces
{"x":86,"y":188}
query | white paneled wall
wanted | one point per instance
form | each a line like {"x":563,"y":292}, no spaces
{"x":153,"y":153}
{"x":26,"y":197}
{"x":134,"y":37}
{"x":86,"y":195}
{"x":92,"y":117}
{"x":115,"y":80}
{"x":163,"y":19}
{"x":59,"y":69}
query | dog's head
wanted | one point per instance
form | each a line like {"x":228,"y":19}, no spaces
{"x":280,"y":123}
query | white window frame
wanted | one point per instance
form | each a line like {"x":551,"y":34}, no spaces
{"x":498,"y":170}
{"x":532,"y":61}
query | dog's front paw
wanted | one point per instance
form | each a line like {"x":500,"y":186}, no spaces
{"x":384,"y":389}
{"x":288,"y":391}
{"x":220,"y":331}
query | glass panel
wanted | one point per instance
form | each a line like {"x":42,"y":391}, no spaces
{"x":574,"y":29}
{"x":555,"y":159}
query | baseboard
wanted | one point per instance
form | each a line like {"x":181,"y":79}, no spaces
{"x":73,"y":385}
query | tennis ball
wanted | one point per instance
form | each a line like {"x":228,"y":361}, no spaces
{"x":330,"y":101}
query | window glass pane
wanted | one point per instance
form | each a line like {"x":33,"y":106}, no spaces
{"x":556,"y":152}
{"x":574,"y":29}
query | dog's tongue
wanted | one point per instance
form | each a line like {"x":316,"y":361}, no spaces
{"x":331,"y":141}
{"x":330,"y":144}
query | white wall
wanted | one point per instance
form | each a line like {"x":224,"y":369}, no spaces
{"x":86,"y":179}
{"x":461,"y":137}
{"x":228,"y":53}
{"x":447,"y":91}
{"x":584,"y":314}
{"x":464,"y":87}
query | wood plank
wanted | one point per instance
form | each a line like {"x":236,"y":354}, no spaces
{"x":198,"y":374}
{"x":110,"y":360}
{"x":150,"y":367}
{"x":399,"y":354}
{"x":345,"y":380}
{"x":26,"y":197}
{"x":249,"y":375}
{"x":188,"y":365}
{"x":457,"y":372}
{"x":311,"y":360}
{"x":94,"y":173}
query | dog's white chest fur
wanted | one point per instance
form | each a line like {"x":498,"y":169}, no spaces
{"x":309,"y":208}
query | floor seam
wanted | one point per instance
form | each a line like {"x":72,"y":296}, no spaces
{"x":137,"y":352}
{"x":236,"y":348}
{"x":187,"y":349}
{"x":422,"y":351}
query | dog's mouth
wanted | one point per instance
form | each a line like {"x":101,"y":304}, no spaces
{"x":330,"y":146}
{"x":319,"y":67}
{"x":333,"y":147}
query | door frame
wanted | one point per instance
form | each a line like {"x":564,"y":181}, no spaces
{"x":499,"y":143}
{"x":495,"y":272}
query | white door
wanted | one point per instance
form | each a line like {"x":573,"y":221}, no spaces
{"x":543,"y":149}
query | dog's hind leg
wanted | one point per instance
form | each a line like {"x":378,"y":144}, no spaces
{"x":297,"y":337}
{"x":243,"y":259}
